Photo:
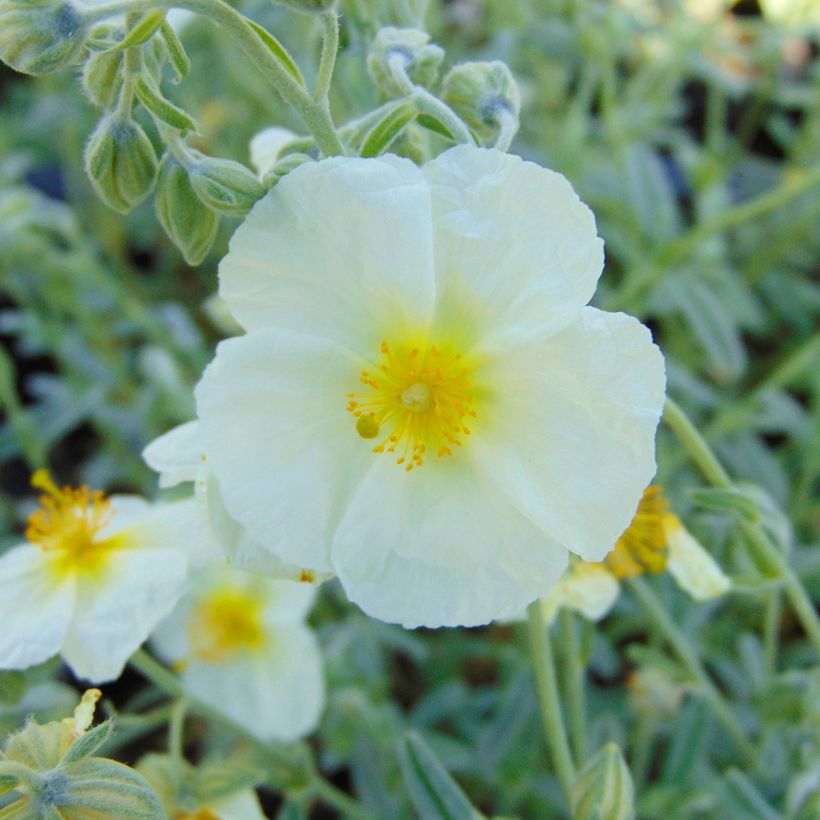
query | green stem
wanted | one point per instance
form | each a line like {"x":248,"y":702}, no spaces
{"x":544,"y":665}
{"x":314,"y":113}
{"x":575,"y":686}
{"x":278,"y":760}
{"x":686,"y":652}
{"x":327,"y":62}
{"x":771,"y":631}
{"x":642,"y":741}
{"x":507,"y":129}
{"x":774,"y":559}
{"x":176,"y":739}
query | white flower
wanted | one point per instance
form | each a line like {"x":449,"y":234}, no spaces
{"x":694,"y":569}
{"x":423,"y":403}
{"x":96,"y":577}
{"x":243,"y":647}
{"x":267,"y":145}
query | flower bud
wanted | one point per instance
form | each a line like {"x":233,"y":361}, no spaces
{"x":420,"y":57}
{"x":225,"y":185}
{"x":479,"y":92}
{"x":603,"y":789}
{"x":121,"y":162}
{"x":41,"y":36}
{"x":102,"y":73}
{"x":190,"y":224}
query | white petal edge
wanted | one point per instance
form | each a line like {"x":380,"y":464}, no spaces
{"x":175,"y":455}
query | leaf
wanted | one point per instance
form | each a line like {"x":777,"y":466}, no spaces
{"x":742,"y":798}
{"x":434,"y":793}
{"x":731,"y":499}
{"x":176,"y":51}
{"x":89,"y":742}
{"x":432,"y":124}
{"x":382,"y":134}
{"x":144,"y":29}
{"x":162,"y":109}
{"x":278,"y":51}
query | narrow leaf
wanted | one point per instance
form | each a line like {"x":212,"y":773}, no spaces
{"x":142,"y":31}
{"x":278,"y":51}
{"x":432,"y":124}
{"x":176,"y":51}
{"x":382,"y":134}
{"x":162,"y":109}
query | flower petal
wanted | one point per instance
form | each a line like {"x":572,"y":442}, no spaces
{"x":569,"y":436}
{"x":439,"y":548}
{"x":279,"y":441}
{"x":350,"y":277}
{"x":118,"y":609}
{"x":517,"y":253}
{"x":696,"y":572}
{"x":277,"y":694}
{"x":176,"y":455}
{"x":35,"y":607}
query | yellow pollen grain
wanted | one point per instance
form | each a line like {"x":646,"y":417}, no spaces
{"x":642,"y":547}
{"x":418,"y":400}
{"x":224,"y":624}
{"x":68,"y":523}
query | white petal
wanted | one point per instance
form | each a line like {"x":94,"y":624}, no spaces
{"x":287,"y":602}
{"x":242,"y":805}
{"x":438,"y":548}
{"x":277,"y":694}
{"x":279,"y":441}
{"x":176,"y":455}
{"x":691,"y":565}
{"x":517,"y":253}
{"x":569,"y":434}
{"x":266,"y":145}
{"x":340,"y":249}
{"x":35,"y":607}
{"x":589,"y":589}
{"x":117,"y":610}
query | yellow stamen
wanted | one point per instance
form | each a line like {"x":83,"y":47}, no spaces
{"x":224,"y":624}
{"x":642,"y":548}
{"x":420,"y":397}
{"x":68,"y":524}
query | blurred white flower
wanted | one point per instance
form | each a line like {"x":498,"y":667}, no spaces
{"x":694,"y":569}
{"x":242,"y":646}
{"x":433,"y":319}
{"x":590,"y":590}
{"x":267,"y":145}
{"x":96,"y":576}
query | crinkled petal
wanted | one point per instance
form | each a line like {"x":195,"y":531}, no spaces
{"x":569,"y":434}
{"x":277,"y":694}
{"x":340,"y":249}
{"x":590,"y":589}
{"x":517,"y":253}
{"x":118,"y":608}
{"x":279,"y":441}
{"x":176,"y":455}
{"x":36,"y":606}
{"x":440,"y":547}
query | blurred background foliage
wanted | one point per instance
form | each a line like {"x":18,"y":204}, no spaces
{"x":692,"y":129}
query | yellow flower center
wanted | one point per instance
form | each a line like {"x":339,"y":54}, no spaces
{"x":68,"y":523}
{"x":642,"y":548}
{"x":419,"y":399}
{"x":224,"y":624}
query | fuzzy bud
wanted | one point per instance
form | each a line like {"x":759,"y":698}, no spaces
{"x":603,"y":790}
{"x":41,"y":36}
{"x":480,"y":92}
{"x":102,"y":72}
{"x":190,"y":224}
{"x":121,"y":162}
{"x":225,"y":185}
{"x":420,"y":57}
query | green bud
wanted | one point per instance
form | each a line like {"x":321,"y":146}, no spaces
{"x":41,"y":36}
{"x":603,"y":789}
{"x":479,"y":92}
{"x":420,"y":57}
{"x":102,"y":72}
{"x":121,"y":162}
{"x":308,"y":6}
{"x":225,"y":185}
{"x":283,"y":167}
{"x":190,"y":224}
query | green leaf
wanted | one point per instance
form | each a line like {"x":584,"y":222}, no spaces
{"x":223,"y":778}
{"x":434,"y":793}
{"x":279,"y":52}
{"x":162,"y":109}
{"x":143,"y":31}
{"x":89,"y":742}
{"x":382,"y":134}
{"x":176,"y":51}
{"x":742,"y":798}
{"x":731,"y":499}
{"x":432,"y":124}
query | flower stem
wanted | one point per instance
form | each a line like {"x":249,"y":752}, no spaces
{"x":279,"y":760}
{"x":327,"y":62}
{"x":547,"y":685}
{"x":574,"y":690}
{"x":686,"y":652}
{"x":701,"y":453}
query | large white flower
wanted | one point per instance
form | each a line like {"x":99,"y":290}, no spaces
{"x":423,"y":403}
{"x":243,"y":647}
{"x":96,"y":577}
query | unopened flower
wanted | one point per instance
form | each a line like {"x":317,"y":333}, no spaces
{"x":94,"y":579}
{"x":590,"y":590}
{"x":242,"y":645}
{"x":423,"y":403}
